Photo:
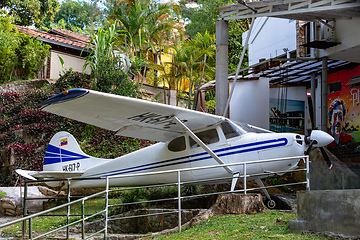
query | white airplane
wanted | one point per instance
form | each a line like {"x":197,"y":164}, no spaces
{"x":186,"y":139}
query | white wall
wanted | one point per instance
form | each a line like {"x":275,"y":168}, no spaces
{"x":347,"y":33}
{"x":250,"y":102}
{"x":70,"y":61}
{"x":269,"y":37}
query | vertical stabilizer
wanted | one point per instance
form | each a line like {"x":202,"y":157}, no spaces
{"x":64,"y":154}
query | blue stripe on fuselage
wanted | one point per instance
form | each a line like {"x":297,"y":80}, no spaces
{"x":55,"y":154}
{"x":256,"y":146}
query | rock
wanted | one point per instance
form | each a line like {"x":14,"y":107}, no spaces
{"x":14,"y":199}
{"x":8,"y":208}
{"x":233,"y":204}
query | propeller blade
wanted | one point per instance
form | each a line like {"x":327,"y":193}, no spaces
{"x":318,"y":138}
{"x":326,"y":157}
{"x":311,"y":110}
{"x":309,"y":148}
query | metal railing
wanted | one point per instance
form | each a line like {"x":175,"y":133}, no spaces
{"x":177,"y":182}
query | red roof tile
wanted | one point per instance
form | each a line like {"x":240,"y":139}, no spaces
{"x":58,"y":35}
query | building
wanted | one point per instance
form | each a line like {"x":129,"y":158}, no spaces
{"x":71,"y":47}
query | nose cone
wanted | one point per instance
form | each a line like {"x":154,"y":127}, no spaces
{"x":322,"y":138}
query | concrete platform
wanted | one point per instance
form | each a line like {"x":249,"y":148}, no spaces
{"x":329,"y":211}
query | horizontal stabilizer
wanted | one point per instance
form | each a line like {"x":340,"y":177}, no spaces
{"x":33,"y":175}
{"x":57,"y":174}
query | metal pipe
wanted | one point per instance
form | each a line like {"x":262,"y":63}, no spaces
{"x":30,"y":228}
{"x":179,"y":199}
{"x":83,"y":219}
{"x":202,"y":144}
{"x":324,"y":94}
{"x":307,"y":174}
{"x":24,"y":209}
{"x":106,"y":207}
{"x":245,"y":178}
{"x":68,"y":210}
{"x":239,"y":66}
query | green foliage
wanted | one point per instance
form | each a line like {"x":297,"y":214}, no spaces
{"x":29,"y":12}
{"x":71,"y":79}
{"x":203,"y":18}
{"x":111,"y":79}
{"x":21,"y":56}
{"x":236,"y":29}
{"x":76,"y":16}
{"x":21,"y":121}
{"x":31,"y":56}
{"x":108,"y":75}
{"x":2,"y":194}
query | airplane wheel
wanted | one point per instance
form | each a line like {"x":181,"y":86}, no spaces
{"x":271,"y":204}
{"x":274,"y":203}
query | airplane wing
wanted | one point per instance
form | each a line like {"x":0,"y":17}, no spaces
{"x":127,"y":116}
{"x":32,"y":175}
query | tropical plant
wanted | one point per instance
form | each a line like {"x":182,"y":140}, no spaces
{"x":26,"y":13}
{"x":108,"y":75}
{"x":21,"y":56}
{"x":76,"y":16}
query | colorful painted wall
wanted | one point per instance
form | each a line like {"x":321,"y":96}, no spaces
{"x":344,"y":116}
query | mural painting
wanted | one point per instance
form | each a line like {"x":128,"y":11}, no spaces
{"x":344,"y":116}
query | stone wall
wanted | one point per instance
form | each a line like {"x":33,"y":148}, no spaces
{"x":22,"y":85}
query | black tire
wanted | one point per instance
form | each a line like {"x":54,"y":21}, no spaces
{"x":275,"y":203}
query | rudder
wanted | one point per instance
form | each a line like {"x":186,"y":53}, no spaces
{"x":64,"y":154}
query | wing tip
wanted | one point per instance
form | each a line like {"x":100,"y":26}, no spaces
{"x":64,"y":96}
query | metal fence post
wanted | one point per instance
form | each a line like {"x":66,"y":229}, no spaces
{"x":83,"y":219}
{"x":245,"y":178}
{"x":307,"y":174}
{"x":68,"y":210}
{"x":30,"y":228}
{"x":106,"y":207}
{"x":179,"y":198}
{"x":24,"y":209}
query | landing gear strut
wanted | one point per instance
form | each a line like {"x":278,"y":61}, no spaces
{"x":271,"y":202}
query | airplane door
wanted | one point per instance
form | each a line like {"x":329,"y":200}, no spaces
{"x":199,"y":157}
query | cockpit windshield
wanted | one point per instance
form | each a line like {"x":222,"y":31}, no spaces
{"x":249,"y":128}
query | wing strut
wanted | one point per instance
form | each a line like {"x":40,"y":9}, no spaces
{"x":202,"y":144}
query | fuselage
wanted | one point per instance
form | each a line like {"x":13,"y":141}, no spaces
{"x":232,"y":143}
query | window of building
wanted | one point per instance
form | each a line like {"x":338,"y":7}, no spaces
{"x":335,"y":87}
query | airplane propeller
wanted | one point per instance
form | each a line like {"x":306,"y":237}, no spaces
{"x":317,"y":138}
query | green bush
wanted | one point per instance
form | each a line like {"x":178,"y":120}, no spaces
{"x":21,"y":56}
{"x":111,"y":79}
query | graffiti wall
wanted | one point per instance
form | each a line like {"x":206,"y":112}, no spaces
{"x":344,"y":116}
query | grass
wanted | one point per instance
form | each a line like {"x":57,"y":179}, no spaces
{"x":269,"y":225}
{"x":47,"y":223}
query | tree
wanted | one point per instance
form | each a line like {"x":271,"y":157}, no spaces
{"x":108,"y":76}
{"x":21,"y":56}
{"x":75,"y":16}
{"x":202,"y":18}
{"x":29,"y":12}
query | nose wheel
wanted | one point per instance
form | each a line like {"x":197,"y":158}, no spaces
{"x":274,"y":203}
{"x":271,"y":204}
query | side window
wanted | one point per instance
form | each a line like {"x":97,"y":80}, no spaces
{"x":208,"y":137}
{"x":177,"y":145}
{"x":228,"y":130}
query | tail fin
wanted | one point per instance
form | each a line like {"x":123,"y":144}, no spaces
{"x":64,"y":154}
